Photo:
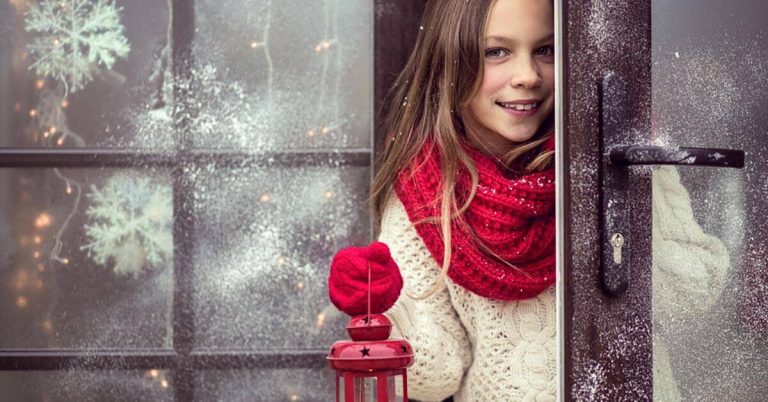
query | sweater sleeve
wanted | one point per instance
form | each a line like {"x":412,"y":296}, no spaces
{"x":689,"y":266}
{"x":432,"y":326}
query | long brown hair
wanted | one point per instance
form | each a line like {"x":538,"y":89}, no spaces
{"x":428,"y":102}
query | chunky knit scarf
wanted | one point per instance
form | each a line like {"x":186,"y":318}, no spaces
{"x":514,"y":218}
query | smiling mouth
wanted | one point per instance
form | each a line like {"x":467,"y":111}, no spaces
{"x":519,"y":106}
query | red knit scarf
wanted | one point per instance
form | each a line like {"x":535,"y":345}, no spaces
{"x":515,"y":218}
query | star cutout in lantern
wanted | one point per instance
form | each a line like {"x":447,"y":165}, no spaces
{"x":365,"y":351}
{"x":404,"y":348}
{"x":367,"y":319}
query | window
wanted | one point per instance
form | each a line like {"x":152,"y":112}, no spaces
{"x":177,"y":176}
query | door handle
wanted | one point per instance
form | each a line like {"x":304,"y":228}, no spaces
{"x":617,"y":156}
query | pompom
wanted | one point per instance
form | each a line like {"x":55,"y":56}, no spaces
{"x":348,"y":279}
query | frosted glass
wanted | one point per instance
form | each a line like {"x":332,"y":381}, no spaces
{"x":86,"y":386}
{"x":263,"y":243}
{"x":120,"y":103}
{"x":266,"y":385}
{"x":283,"y":75}
{"x":710,"y":315}
{"x":85,"y":258}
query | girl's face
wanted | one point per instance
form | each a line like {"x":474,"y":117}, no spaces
{"x":517,"y":91}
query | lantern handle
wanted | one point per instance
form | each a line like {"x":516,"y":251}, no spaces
{"x":369,"y":293}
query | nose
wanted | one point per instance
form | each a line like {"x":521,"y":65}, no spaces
{"x":525,"y":73}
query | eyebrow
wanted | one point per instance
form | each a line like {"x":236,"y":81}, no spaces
{"x":505,"y":39}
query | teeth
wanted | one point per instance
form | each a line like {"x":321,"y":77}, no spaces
{"x":519,"y":107}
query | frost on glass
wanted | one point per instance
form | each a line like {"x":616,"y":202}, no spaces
{"x":266,"y":385}
{"x":263,"y":240}
{"x":275,"y":75}
{"x":710,"y":89}
{"x":85,"y":258}
{"x":85,"y":73}
{"x":87,"y":386}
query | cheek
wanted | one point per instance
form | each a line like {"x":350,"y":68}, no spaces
{"x":493,"y":81}
{"x":548,"y":76}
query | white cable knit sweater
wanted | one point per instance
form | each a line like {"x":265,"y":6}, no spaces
{"x":479,"y":349}
{"x":476,"y":348}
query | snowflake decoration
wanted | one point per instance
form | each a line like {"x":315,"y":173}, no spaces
{"x":130,"y":224}
{"x":74,"y":38}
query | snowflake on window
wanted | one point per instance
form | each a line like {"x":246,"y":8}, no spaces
{"x":74,"y":38}
{"x":130,"y":221}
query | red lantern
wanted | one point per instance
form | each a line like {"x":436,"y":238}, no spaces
{"x":371,"y":367}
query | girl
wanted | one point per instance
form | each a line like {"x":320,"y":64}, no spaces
{"x":464,"y":196}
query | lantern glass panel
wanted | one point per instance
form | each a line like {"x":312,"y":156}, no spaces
{"x":365,"y":389}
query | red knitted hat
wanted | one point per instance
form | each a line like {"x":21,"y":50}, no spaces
{"x":348,"y":279}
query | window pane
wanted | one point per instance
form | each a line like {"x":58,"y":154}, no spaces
{"x":266,"y":385}
{"x":263,"y":243}
{"x":55,"y":93}
{"x":86,"y":386}
{"x":85,"y":258}
{"x":276,"y":75}
{"x":710,"y":311}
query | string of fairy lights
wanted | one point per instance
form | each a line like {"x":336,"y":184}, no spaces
{"x":49,"y":127}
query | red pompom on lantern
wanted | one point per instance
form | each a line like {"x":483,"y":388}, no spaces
{"x":364,"y":282}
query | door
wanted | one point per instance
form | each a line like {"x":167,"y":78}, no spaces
{"x":683,"y":314}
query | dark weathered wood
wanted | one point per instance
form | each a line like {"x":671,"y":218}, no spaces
{"x":126,"y":158}
{"x":25,"y":360}
{"x":395,"y":28}
{"x":607,"y":340}
{"x":183,"y":20}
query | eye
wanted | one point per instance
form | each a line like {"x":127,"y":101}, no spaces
{"x":548,"y":50}
{"x":496,"y":53}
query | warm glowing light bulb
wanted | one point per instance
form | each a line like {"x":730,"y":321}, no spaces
{"x":255,"y":44}
{"x":264,"y":198}
{"x":300,"y":285}
{"x":64,"y":103}
{"x":39,"y":84}
{"x":47,"y":326}
{"x":60,"y":141}
{"x":325,"y":130}
{"x":164,"y":383}
{"x":37,"y":239}
{"x":329,"y":194}
{"x":68,"y":190}
{"x":320,"y":319}
{"x":52,"y":130}
{"x":294,"y":397}
{"x":36,"y":254}
{"x":56,"y":42}
{"x":32,"y":113}
{"x":43,"y":220}
{"x":322,"y":46}
{"x":65,"y":261}
{"x":40,"y":267}
{"x":154,"y":373}
{"x":281,"y":260}
{"x":21,"y":301}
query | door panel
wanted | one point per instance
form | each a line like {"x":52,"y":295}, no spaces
{"x":693,"y":322}
{"x":709,"y":89}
